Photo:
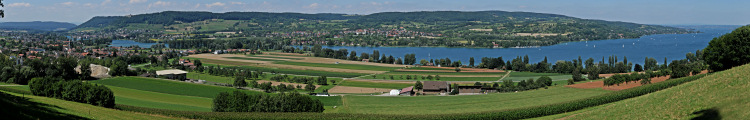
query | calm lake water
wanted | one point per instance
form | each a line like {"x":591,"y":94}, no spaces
{"x":671,"y":46}
{"x":128,"y":43}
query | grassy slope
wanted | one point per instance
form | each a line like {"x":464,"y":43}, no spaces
{"x":35,"y":107}
{"x":168,"y":87}
{"x":464,"y":103}
{"x":375,"y":85}
{"x":720,"y":95}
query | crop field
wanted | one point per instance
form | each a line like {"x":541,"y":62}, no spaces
{"x":280,"y":57}
{"x":149,"y":99}
{"x":403,"y":77}
{"x":256,"y":59}
{"x":296,"y":71}
{"x":342,"y":66}
{"x":519,"y":76}
{"x":211,"y":78}
{"x":36,"y":107}
{"x":440,"y":73}
{"x":374,"y":84}
{"x":720,"y":95}
{"x":168,"y":86}
{"x":463,"y":103}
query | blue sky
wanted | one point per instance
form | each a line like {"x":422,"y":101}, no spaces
{"x":715,"y":12}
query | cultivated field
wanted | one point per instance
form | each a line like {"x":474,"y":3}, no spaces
{"x":299,"y":63}
{"x":462,"y":103}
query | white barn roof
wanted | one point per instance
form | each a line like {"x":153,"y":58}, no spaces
{"x":173,"y":71}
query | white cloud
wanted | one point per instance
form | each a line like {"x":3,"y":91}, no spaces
{"x":68,"y":3}
{"x":19,"y":5}
{"x":236,"y":3}
{"x":106,"y":2}
{"x":313,"y":6}
{"x":137,"y":1}
{"x":159,"y":4}
{"x":215,"y":4}
{"x":89,"y":5}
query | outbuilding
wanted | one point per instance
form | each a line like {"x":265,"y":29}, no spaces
{"x":172,"y":74}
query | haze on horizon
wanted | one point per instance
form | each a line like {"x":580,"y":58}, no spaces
{"x":671,"y":12}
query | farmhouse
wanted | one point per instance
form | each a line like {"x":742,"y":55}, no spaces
{"x":435,"y":87}
{"x":408,"y":91}
{"x":172,"y":74}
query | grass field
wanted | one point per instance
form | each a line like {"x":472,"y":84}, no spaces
{"x":519,"y":76}
{"x":464,"y":103}
{"x":256,"y":59}
{"x":721,"y":95}
{"x":374,"y":84}
{"x":168,"y":86}
{"x":342,"y":66}
{"x":22,"y":88}
{"x":36,"y":107}
{"x":211,"y":78}
{"x":403,"y":77}
{"x":300,"y":72}
{"x":439,"y":73}
{"x":149,"y":99}
{"x":280,"y":57}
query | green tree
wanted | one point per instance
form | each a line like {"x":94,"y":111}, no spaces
{"x":729,"y":50}
{"x":577,"y":74}
{"x":418,"y":85}
{"x":544,"y":80}
{"x":310,"y":87}
{"x":239,"y":82}
{"x":471,"y":61}
{"x":322,"y":80}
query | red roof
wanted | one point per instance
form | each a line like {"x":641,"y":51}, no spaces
{"x":407,"y":89}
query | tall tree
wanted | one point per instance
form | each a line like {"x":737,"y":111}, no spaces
{"x":471,"y":61}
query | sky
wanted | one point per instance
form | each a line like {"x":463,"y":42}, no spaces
{"x":663,"y":12}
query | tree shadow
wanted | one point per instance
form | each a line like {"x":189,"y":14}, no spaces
{"x":20,"y":108}
{"x":707,"y":114}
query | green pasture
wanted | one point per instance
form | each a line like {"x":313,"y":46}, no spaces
{"x":374,"y":84}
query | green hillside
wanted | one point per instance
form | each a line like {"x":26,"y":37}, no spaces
{"x":20,"y":107}
{"x":448,"y":28}
{"x":722,"y":95}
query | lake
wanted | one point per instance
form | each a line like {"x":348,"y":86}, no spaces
{"x":671,"y":46}
{"x":128,"y":43}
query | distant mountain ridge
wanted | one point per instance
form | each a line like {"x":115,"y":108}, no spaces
{"x":37,"y":26}
{"x":421,"y":28}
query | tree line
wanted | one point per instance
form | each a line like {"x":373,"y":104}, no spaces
{"x":283,"y":102}
{"x":73,"y":90}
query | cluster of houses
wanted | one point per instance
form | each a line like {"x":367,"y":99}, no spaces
{"x":442,"y":88}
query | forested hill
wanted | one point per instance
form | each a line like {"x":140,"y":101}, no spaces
{"x":424,"y":28}
{"x":36,"y":26}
